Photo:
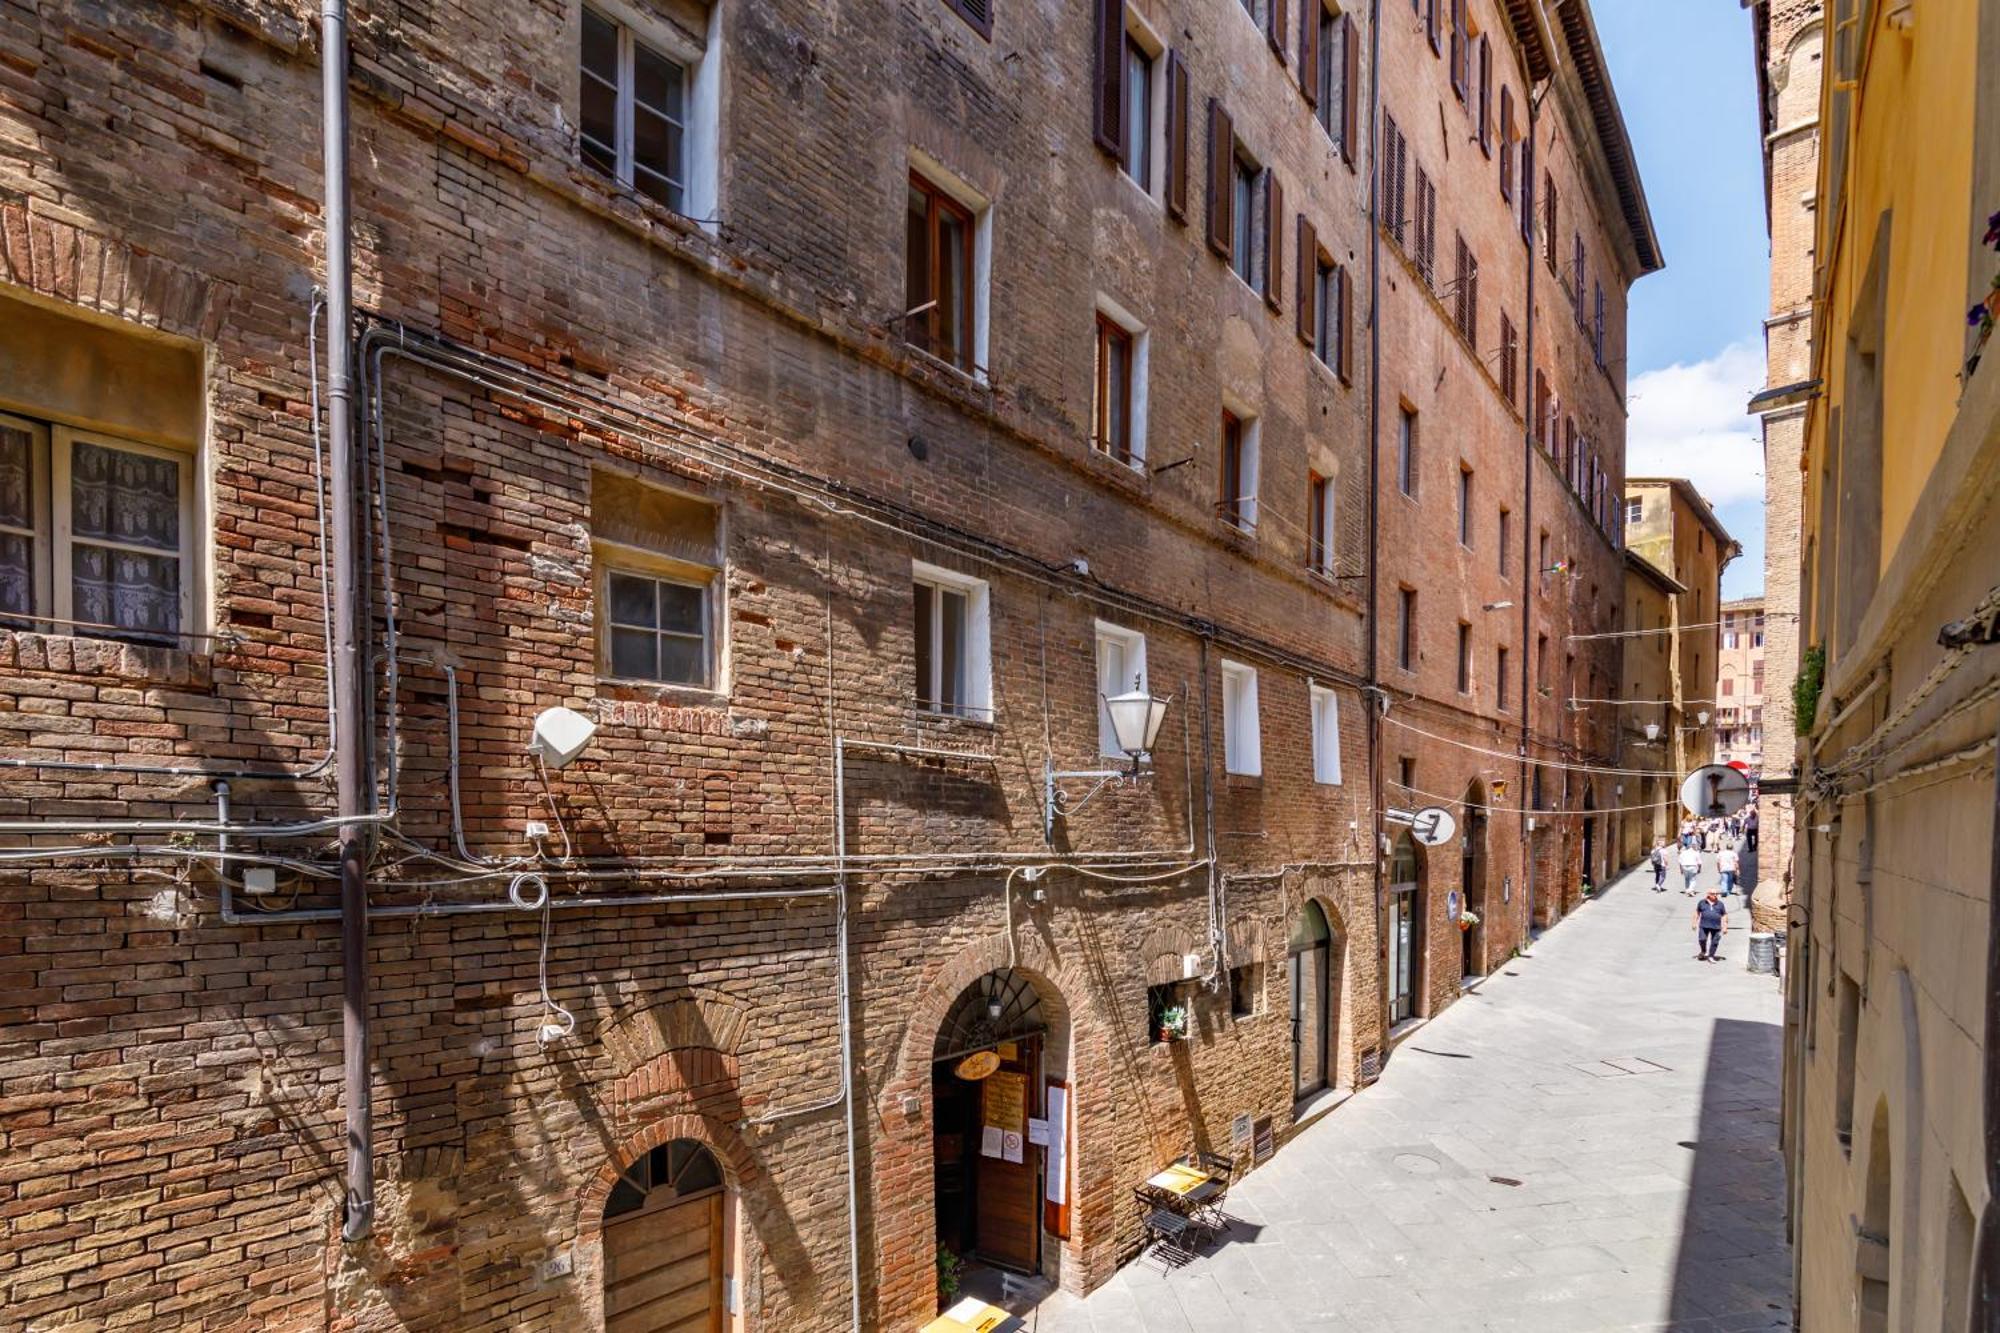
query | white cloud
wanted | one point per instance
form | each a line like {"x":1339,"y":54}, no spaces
{"x":1688,"y":420}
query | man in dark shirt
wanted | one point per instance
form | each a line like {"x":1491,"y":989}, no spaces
{"x":1711,"y":922}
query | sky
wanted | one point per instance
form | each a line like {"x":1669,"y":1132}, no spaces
{"x":1685,"y":76}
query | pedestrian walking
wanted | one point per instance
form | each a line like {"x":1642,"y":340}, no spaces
{"x":1727,"y":864}
{"x":1690,"y":867}
{"x":1659,"y":859}
{"x":1687,"y":831}
{"x":1711,"y":923}
{"x":1750,"y":829}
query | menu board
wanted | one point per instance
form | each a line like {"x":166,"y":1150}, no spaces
{"x":1003,"y":1101}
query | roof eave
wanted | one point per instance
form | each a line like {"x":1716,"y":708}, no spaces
{"x":1580,"y":34}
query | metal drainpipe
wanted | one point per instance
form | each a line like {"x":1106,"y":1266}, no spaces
{"x":1373,"y":694}
{"x":1529,"y":553}
{"x":358,"y":1218}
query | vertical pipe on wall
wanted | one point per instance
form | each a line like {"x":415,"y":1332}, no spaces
{"x":358,"y":1217}
{"x":1373,"y":694}
{"x":1986,"y":1266}
{"x":1530,"y":423}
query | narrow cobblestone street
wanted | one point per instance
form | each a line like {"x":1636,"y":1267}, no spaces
{"x":1589,"y":1141}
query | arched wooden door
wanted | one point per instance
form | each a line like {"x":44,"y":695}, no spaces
{"x":663,"y":1244}
{"x":1310,"y":950}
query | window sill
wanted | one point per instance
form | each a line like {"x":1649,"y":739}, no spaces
{"x":979,"y":381}
{"x":1120,"y":471}
{"x":657,"y":691}
{"x":1243,"y":780}
{"x":23,"y":650}
{"x":930,"y":718}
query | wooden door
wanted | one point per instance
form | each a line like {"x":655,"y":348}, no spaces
{"x":1008,"y":1215}
{"x":663,"y":1269}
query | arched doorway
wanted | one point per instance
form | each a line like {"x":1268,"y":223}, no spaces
{"x":665,"y":1257}
{"x":986,"y":1082}
{"x":1405,"y":931}
{"x":1472,"y":882}
{"x":1309,"y":963}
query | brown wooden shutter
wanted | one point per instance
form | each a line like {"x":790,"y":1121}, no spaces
{"x":1507,"y":144}
{"x":1431,"y":25}
{"x":1279,"y":24}
{"x":1458,"y":42}
{"x":1309,"y":11}
{"x":1528,"y":187}
{"x":1274,"y":239}
{"x":1485,"y":95}
{"x":1221,"y":166}
{"x":1458,"y":286}
{"x":1343,"y":333}
{"x":1308,"y":280}
{"x":1350,"y":86}
{"x":1108,"y":77}
{"x":1177,"y":136}
{"x":1472,"y":299}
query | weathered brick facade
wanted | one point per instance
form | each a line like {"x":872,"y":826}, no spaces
{"x":1556,"y":571}
{"x":170,"y":1064}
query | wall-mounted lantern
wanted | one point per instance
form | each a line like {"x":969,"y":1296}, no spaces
{"x":1135,"y":723}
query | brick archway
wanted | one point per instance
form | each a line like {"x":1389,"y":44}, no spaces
{"x":902,"y":1179}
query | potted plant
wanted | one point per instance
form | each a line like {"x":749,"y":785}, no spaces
{"x":1173,"y":1022}
{"x":949,"y":1267}
{"x":1467,"y":920}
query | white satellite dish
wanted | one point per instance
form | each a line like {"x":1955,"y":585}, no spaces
{"x":560,"y":735}
{"x":1715,"y":790}
{"x":1433,"y":826}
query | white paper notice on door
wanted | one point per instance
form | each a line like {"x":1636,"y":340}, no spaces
{"x":1038,"y":1132}
{"x":1056,"y":1176}
{"x":1010,"y":1146}
{"x":989,"y":1141}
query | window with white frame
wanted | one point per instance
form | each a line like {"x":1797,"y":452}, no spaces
{"x":1326,"y":736}
{"x":97,"y":534}
{"x":947,"y":257}
{"x":953,"y":645}
{"x":1118,"y":385}
{"x":659,"y":559}
{"x":1242,"y":744}
{"x":1142,"y":139}
{"x":1238,"y":502}
{"x":647,"y":103}
{"x":1121,"y":668}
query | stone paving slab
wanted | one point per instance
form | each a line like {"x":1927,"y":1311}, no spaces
{"x":1630,"y":1090}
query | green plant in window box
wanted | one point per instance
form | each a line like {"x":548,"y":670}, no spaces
{"x":1173,"y":1022}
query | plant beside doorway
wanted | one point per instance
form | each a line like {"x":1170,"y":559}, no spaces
{"x":950,"y":1269}
{"x":1467,"y":920}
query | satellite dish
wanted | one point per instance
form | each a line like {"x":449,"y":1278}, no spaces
{"x":560,"y":735}
{"x":1433,"y":826}
{"x":1715,"y":790}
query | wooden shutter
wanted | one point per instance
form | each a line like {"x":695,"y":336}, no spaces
{"x":1274,"y":239}
{"x":1108,"y":77}
{"x":1350,"y":84}
{"x":1309,"y":11}
{"x":1308,"y":299}
{"x":1507,"y":144}
{"x":1459,"y":286}
{"x":1472,"y":299}
{"x":1221,"y":165}
{"x":1177,"y":136}
{"x":1391,"y":186}
{"x":1458,"y":43}
{"x":1528,"y":189}
{"x":1343,"y":339}
{"x":1507,"y":357}
{"x":1431,"y":25}
{"x":1485,"y":95}
{"x":1275,"y":29}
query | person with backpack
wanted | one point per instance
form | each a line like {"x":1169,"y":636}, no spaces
{"x":1690,"y":868}
{"x":1659,"y":860}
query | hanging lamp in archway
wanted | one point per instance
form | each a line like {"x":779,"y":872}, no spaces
{"x":1000,"y":1006}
